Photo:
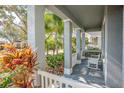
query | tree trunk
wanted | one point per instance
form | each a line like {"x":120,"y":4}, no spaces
{"x":53,"y":51}
{"x":47,"y":50}
{"x":56,"y":44}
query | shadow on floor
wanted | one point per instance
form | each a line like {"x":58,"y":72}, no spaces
{"x":82,"y":74}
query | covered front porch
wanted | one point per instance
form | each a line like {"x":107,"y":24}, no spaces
{"x":82,"y":74}
{"x":107,"y":19}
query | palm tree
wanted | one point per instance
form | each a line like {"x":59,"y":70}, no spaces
{"x":58,"y":29}
{"x":53,"y":25}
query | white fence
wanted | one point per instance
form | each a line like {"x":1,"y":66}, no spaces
{"x":53,"y":81}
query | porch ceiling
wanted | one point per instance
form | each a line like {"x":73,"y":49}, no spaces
{"x":87,"y":17}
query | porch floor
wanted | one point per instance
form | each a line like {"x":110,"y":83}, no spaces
{"x":82,"y":74}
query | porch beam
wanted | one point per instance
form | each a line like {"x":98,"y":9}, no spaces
{"x":93,"y":29}
{"x":69,"y":15}
{"x":67,"y":47}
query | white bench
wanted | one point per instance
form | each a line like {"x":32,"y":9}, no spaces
{"x":93,"y":63}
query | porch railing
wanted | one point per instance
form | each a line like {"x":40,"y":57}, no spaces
{"x":53,"y":81}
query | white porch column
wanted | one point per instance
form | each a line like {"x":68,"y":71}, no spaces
{"x":78,"y":43}
{"x":99,"y":42}
{"x":103,"y":41}
{"x":114,"y":46}
{"x":67,"y":47}
{"x":83,"y":41}
{"x":36,"y":34}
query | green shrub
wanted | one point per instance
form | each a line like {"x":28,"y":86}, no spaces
{"x":92,"y":51}
{"x":92,"y":48}
{"x":54,"y":61}
{"x":73,"y":50}
{"x":89,"y":54}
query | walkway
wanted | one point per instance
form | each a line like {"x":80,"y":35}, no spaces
{"x":82,"y":74}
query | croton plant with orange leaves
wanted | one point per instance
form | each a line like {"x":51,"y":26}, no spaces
{"x":17,"y":67}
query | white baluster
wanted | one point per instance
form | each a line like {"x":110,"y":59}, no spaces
{"x":42,"y":81}
{"x":60,"y":83}
{"x":50,"y":83}
{"x":46,"y":82}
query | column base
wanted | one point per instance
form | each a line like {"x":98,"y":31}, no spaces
{"x":67,"y":71}
{"x":78,"y":61}
{"x":78,"y":56}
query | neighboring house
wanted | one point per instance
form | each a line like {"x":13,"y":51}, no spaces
{"x":94,"y":39}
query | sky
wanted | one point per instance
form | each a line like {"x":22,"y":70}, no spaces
{"x":17,"y":20}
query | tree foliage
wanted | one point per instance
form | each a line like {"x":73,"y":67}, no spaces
{"x":86,"y":41}
{"x":14,"y":21}
{"x":54,"y":27}
{"x":53,"y":23}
